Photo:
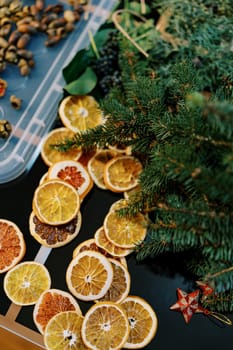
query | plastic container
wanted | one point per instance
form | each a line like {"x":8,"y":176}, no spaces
{"x":41,"y":91}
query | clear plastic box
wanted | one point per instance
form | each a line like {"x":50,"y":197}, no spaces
{"x":41,"y":91}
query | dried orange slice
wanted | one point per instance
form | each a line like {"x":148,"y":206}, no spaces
{"x":54,"y":236}
{"x":122,"y":173}
{"x":89,"y":275}
{"x":120,"y":286}
{"x":105,"y":326}
{"x":55,"y":202}
{"x":50,"y":303}
{"x":125,"y":231}
{"x":143,"y":322}
{"x":25,"y":282}
{"x":103,"y":242}
{"x":79,"y":113}
{"x":50,"y":155}
{"x":90,"y":244}
{"x":12,"y":245}
{"x":74,"y":173}
{"x":96,"y":166}
{"x":63,"y":332}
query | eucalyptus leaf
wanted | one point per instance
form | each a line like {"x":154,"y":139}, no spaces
{"x":84,"y":84}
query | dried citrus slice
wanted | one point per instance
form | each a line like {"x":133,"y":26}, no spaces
{"x":103,"y":242}
{"x":143,"y":322}
{"x":74,"y":173}
{"x":120,"y":286}
{"x":89,"y":275}
{"x":121,"y":173}
{"x":63,"y":332}
{"x":50,"y":155}
{"x":55,"y":202}
{"x":54,"y":236}
{"x":12,"y":245}
{"x":25,"y":282}
{"x":50,"y":303}
{"x":90,"y":244}
{"x":105,"y":326}
{"x":79,"y":113}
{"x":96,"y":166}
{"x":125,"y":231}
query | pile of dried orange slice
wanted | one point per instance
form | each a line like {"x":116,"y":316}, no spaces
{"x":98,"y":270}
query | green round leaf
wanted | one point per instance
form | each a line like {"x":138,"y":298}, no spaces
{"x":84,"y":84}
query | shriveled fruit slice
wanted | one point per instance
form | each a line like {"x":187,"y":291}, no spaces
{"x":122,"y":173}
{"x":63,"y":332}
{"x":54,"y":236}
{"x":74,"y":173}
{"x":12,"y":245}
{"x":25,"y":282}
{"x":96,"y":166}
{"x":105,"y":326}
{"x":90,"y":244}
{"x":103,"y":242}
{"x":125,"y":231}
{"x":50,"y":303}
{"x":120,"y":286}
{"x":55,"y":202}
{"x":80,"y":113}
{"x":89,"y":275}
{"x":143,"y":322}
{"x":51,"y":155}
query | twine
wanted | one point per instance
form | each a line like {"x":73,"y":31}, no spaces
{"x":115,"y":19}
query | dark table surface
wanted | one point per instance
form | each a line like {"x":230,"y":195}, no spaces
{"x":157,"y":284}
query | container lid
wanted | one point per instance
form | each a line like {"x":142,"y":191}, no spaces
{"x":40,"y":92}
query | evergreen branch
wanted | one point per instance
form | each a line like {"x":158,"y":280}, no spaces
{"x":229,"y":269}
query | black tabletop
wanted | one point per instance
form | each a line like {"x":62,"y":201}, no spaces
{"x":155,"y":281}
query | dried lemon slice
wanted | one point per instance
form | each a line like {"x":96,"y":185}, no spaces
{"x":125,"y":232}
{"x":25,"y":282}
{"x":51,"y":155}
{"x":55,"y":202}
{"x":63,"y":332}
{"x":79,"y":113}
